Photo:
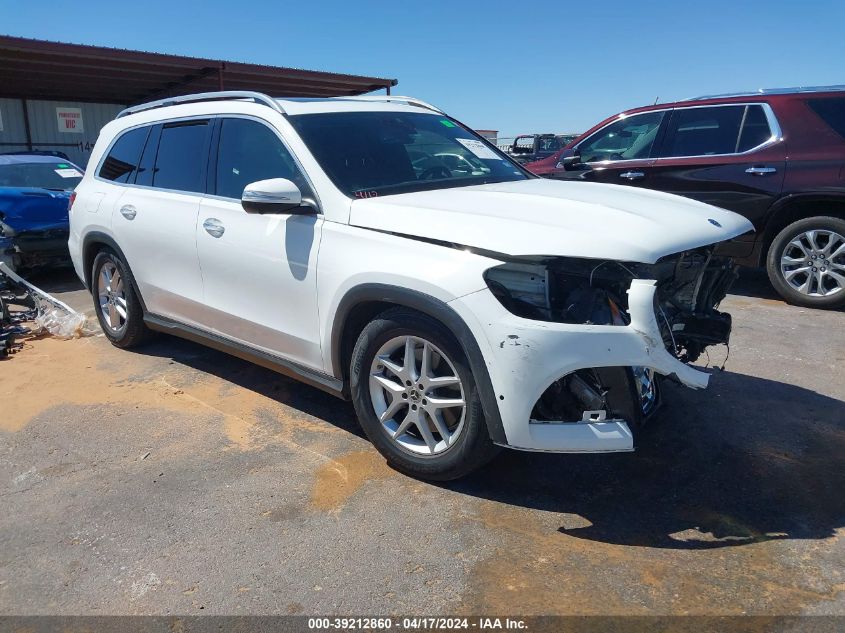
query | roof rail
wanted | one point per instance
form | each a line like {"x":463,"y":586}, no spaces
{"x":257,"y":97}
{"x":771,"y":91}
{"x":412,"y":101}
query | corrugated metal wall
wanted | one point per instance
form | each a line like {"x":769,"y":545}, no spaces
{"x":44,"y":127}
{"x":13,"y":134}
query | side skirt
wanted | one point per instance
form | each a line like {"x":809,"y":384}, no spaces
{"x":317,"y":379}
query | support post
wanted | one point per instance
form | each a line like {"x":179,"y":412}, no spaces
{"x":26,"y":126}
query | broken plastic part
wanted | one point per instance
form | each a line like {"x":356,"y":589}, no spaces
{"x":51,"y":315}
{"x":594,"y":416}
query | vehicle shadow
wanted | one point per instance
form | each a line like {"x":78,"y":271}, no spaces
{"x":748,"y":460}
{"x":745,"y":461}
{"x":754,"y":282}
{"x":252,"y":377}
{"x":55,"y":280}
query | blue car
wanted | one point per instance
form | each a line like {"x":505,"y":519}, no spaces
{"x":34,"y":194}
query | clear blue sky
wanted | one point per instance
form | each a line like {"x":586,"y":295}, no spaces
{"x":508,"y":65}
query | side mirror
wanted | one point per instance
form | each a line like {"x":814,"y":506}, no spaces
{"x":568,"y":159}
{"x":276,"y":195}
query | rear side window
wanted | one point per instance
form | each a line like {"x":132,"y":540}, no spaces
{"x":832,"y":112}
{"x":715,"y":130}
{"x":755,"y":129}
{"x":250,"y":151}
{"x":121,"y":164}
{"x":703,"y":131}
{"x":181,"y":158}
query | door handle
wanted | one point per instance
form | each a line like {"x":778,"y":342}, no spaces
{"x":214,"y":227}
{"x":760,"y":171}
{"x":128,"y":211}
{"x":632,"y":175}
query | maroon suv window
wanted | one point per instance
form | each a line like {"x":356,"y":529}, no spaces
{"x":832,"y":112}
{"x":715,"y":130}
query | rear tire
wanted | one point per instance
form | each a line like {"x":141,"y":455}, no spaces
{"x":806,"y":262}
{"x":116,"y":301}
{"x":424,"y":415}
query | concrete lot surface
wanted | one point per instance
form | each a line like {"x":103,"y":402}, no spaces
{"x":178,"y":480}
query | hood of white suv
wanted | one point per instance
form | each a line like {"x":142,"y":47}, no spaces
{"x":548,"y":217}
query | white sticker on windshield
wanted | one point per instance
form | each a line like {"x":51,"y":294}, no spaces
{"x":479,"y":149}
{"x":70,"y":172}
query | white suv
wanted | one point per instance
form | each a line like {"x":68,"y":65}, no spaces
{"x":380,"y":250}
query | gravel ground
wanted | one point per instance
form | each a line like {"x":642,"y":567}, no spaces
{"x":178,"y":480}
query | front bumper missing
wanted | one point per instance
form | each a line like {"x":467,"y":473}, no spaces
{"x":35,"y":249}
{"x":526,"y":356}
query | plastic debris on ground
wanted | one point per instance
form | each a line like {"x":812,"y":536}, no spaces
{"x":34,"y":306}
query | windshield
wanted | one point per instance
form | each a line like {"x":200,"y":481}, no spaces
{"x":61,"y":176}
{"x":369,"y":154}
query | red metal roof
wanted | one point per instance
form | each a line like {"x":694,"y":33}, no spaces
{"x":37,"y":69}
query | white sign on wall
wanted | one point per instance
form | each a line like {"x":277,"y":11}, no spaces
{"x":70,"y":120}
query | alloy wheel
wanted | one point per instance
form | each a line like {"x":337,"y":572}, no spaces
{"x":111,"y":294}
{"x":417,"y":396}
{"x":813,"y":263}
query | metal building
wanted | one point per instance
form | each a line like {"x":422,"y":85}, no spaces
{"x":56,"y":96}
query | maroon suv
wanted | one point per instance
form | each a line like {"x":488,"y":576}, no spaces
{"x":775,"y":156}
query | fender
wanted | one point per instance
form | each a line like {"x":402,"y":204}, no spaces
{"x":837,"y":196}
{"x":436,"y":309}
{"x":781,"y":213}
{"x":98,"y":237}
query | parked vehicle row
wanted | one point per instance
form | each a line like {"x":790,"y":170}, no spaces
{"x":528,"y":148}
{"x":776,"y":157}
{"x":380,"y":250}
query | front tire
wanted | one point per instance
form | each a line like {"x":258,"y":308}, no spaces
{"x":806,"y":262}
{"x":416,"y":398}
{"x":116,"y":301}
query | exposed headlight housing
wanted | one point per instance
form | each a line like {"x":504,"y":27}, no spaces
{"x":563,"y":290}
{"x":690,"y":285}
{"x":521,"y":288}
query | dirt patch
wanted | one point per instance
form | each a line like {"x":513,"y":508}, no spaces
{"x":539,"y":570}
{"x":337,"y":480}
{"x":48,"y":372}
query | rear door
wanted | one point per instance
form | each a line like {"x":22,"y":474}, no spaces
{"x":621,"y":153}
{"x":730,"y":156}
{"x":155,"y":220}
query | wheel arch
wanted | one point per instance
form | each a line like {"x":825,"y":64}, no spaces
{"x":798,"y":207}
{"x":93,"y":243}
{"x":362,"y":303}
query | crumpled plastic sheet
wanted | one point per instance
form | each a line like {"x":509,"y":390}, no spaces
{"x":61,"y":323}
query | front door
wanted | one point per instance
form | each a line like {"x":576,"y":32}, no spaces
{"x":259,"y":271}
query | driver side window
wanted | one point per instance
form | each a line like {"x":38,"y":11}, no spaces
{"x":625,"y":139}
{"x":250,"y":151}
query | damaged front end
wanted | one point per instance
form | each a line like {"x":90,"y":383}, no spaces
{"x":34,"y":247}
{"x":684,"y":290}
